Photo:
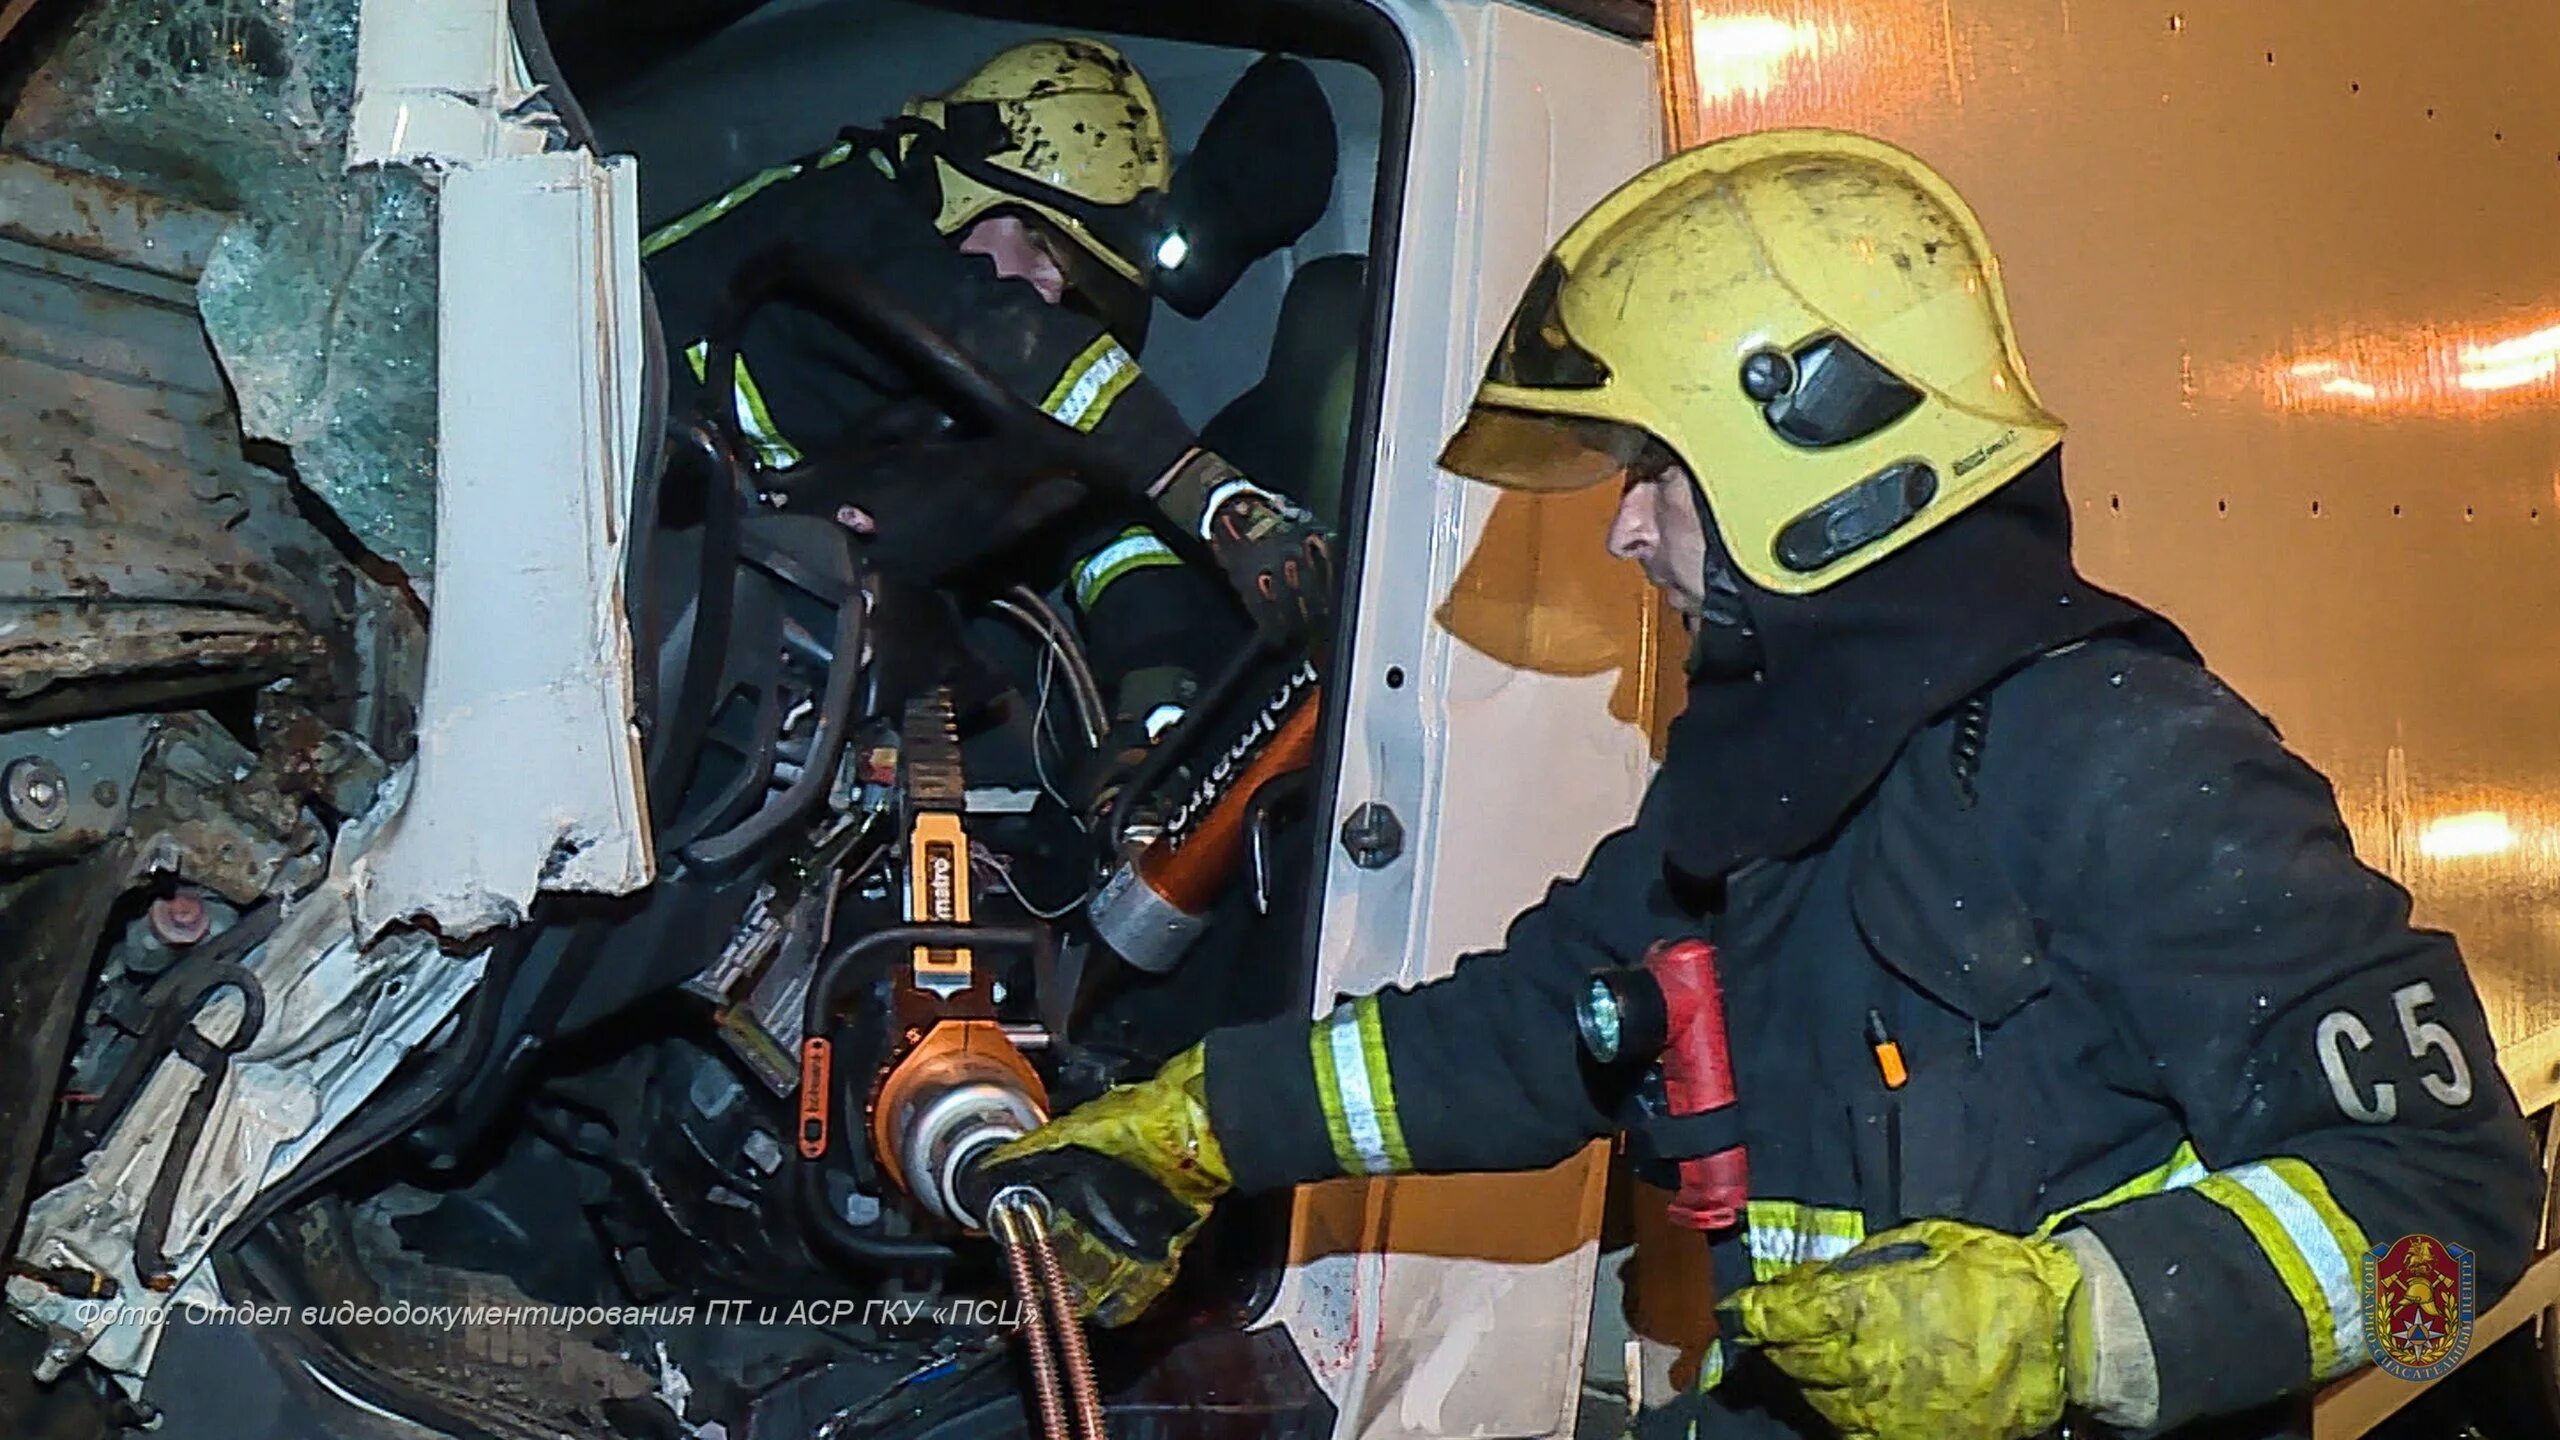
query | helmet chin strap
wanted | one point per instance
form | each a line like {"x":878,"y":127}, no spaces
{"x":1724,"y":644}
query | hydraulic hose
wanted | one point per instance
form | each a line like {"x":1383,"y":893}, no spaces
{"x":1069,"y":1403}
{"x":1036,"y":1336}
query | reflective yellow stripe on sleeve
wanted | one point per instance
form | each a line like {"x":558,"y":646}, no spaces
{"x":1784,"y":1234}
{"x":1090,"y":383}
{"x":2313,"y":1244}
{"x":2287,"y":1209}
{"x":1135,"y":548}
{"x":1711,"y":1366}
{"x":1349,"y":1051}
{"x":736,"y":195}
{"x":2182,"y":1169}
{"x":755,"y":421}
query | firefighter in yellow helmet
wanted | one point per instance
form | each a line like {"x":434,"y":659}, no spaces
{"x":1064,"y":136}
{"x":1023,"y":213}
{"x":2079,"y":1060}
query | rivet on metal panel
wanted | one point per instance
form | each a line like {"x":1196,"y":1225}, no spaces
{"x":1372,"y":836}
{"x":35,"y":794}
{"x":181,"y":918}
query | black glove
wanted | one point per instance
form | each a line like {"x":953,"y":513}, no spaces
{"x":1274,"y":553}
{"x":1278,"y":560}
{"x":1145,"y":703}
{"x":1124,"y":748}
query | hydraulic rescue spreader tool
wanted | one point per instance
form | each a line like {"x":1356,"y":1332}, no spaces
{"x":953,"y":1086}
{"x":1671,"y":1009}
{"x":1158,"y":899}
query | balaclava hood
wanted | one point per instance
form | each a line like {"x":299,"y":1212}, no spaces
{"x":1775,"y":759}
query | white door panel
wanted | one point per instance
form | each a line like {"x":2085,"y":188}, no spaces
{"x":1494,"y":702}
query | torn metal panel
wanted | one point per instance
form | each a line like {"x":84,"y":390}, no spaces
{"x":528,"y":766}
{"x":442,"y":83}
{"x":340,"y":1014}
{"x":142,"y":559}
{"x":213,"y":813}
{"x":101,"y":219}
{"x":312,"y":759}
{"x":320,"y":295}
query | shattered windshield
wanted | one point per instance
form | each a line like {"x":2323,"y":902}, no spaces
{"x":320,"y":296}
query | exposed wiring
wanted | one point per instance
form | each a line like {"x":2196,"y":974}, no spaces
{"x":1004,"y":870}
{"x":1041,"y":735}
{"x":1025,"y":608}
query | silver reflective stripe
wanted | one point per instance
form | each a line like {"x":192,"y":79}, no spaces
{"x":1114,"y":560}
{"x":1772,"y":1245}
{"x":2333,"y":1268}
{"x":1090,"y":385}
{"x":1359,"y":1105}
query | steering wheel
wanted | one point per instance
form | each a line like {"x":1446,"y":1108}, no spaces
{"x":1047,"y":465}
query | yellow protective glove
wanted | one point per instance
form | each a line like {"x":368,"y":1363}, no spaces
{"x":1129,"y":1177}
{"x":1936,"y":1330}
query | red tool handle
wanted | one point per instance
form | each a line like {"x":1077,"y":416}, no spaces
{"x":1697,"y":1076}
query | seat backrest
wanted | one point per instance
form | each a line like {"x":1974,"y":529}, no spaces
{"x":1291,"y":429}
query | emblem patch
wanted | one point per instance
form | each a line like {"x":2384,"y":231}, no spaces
{"x":2421,"y":1296}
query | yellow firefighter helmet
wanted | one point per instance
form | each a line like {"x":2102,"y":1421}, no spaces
{"x":1065,"y":129}
{"x":1811,"y":321}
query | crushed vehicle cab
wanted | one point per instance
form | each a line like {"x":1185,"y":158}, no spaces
{"x":512,"y":927}
{"x":524,"y":929}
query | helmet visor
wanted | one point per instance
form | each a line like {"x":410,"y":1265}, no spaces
{"x":1537,"y":352}
{"x":1523,"y":450}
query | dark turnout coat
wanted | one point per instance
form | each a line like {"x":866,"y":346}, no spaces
{"x":2144,"y":988}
